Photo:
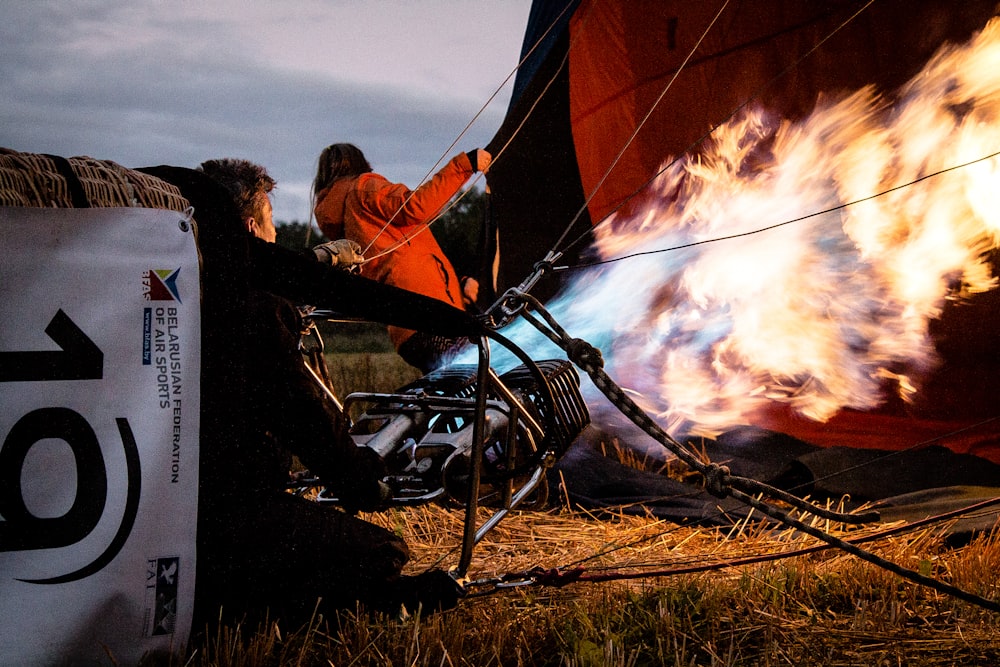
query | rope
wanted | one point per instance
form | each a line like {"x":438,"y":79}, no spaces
{"x":832,"y":209}
{"x":757,"y":93}
{"x":461,"y":134}
{"x":718,"y":480}
{"x":639,"y":126}
{"x":575,"y":572}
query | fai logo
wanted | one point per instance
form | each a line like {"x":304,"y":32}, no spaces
{"x":161,"y":596}
{"x":161,"y":285}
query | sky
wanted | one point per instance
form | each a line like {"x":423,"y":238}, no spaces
{"x":143,"y":82}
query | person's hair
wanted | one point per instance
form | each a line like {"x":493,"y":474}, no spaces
{"x":247,"y":182}
{"x":337,"y":161}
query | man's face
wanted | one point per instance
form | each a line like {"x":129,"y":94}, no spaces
{"x":263,"y":228}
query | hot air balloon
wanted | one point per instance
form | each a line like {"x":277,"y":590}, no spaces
{"x":776,"y":221}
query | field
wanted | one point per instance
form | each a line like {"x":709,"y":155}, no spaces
{"x":821,"y":609}
{"x":361,"y":358}
{"x":818,"y":608}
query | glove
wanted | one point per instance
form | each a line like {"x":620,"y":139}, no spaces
{"x":376,"y":498}
{"x":480,"y":160}
{"x":362,"y":489}
{"x":343,"y":253}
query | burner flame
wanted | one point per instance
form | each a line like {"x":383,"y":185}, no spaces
{"x":809,"y":258}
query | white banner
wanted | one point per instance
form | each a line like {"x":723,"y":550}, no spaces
{"x":100,"y":351}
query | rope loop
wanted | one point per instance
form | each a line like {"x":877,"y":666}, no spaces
{"x":717,"y":480}
{"x":556,"y":577}
{"x":583,"y":354}
{"x":485,"y":321}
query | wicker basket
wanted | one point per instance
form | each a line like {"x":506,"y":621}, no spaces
{"x":35,"y":180}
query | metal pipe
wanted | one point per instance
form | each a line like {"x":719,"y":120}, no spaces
{"x":475,"y":465}
{"x":522,"y":493}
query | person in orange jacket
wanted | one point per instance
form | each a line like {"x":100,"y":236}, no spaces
{"x":389,"y":221}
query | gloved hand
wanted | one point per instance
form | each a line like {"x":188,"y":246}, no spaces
{"x":377,"y":498}
{"x":362,"y":489}
{"x":480,"y":160}
{"x":343,"y":253}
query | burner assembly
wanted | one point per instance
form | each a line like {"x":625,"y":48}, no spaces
{"x":425,"y":433}
{"x":462,"y":436}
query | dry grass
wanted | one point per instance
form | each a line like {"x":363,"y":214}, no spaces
{"x":370,"y":371}
{"x":824,"y":608}
{"x":820,"y":609}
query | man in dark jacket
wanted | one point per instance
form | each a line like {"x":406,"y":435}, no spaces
{"x":262,"y":550}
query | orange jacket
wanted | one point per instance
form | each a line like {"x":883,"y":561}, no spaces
{"x":371,"y":210}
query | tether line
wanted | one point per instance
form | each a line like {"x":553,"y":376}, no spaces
{"x":832,"y":209}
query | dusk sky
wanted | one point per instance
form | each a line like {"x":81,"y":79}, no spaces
{"x":145,"y":83}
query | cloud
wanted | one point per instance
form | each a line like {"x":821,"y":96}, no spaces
{"x":146,"y":83}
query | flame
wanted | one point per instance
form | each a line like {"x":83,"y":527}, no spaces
{"x":832,"y":309}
